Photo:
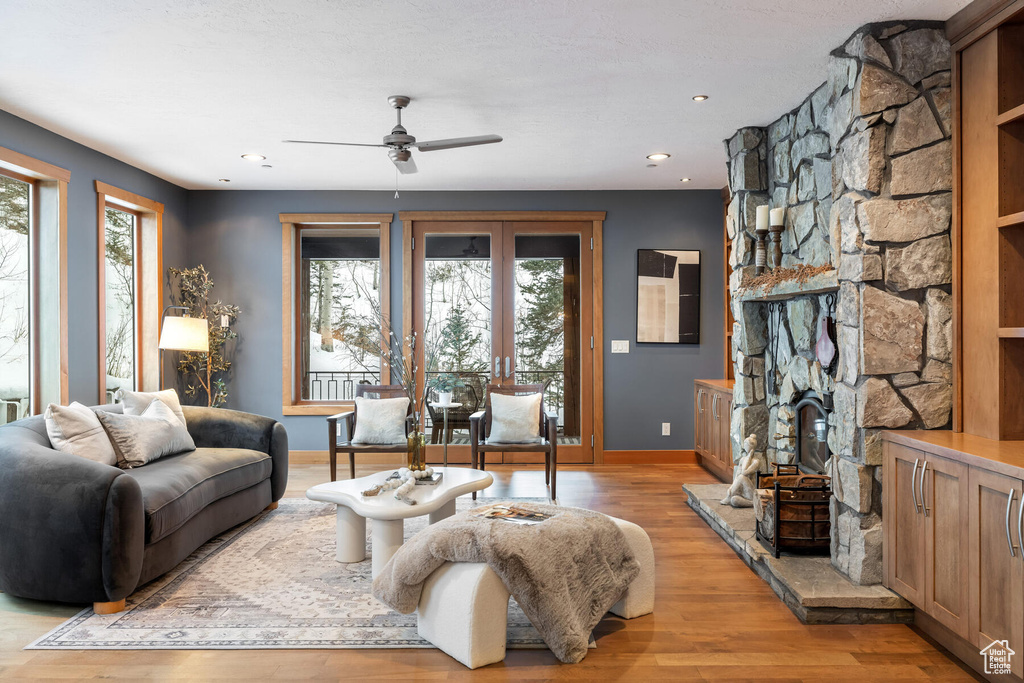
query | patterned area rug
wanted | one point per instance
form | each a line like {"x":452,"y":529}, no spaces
{"x":270,"y":583}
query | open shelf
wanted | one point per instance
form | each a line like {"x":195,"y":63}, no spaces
{"x":1015,"y":114}
{"x":1011,"y":168}
{"x":1010,"y":221}
{"x":1011,"y":280}
{"x":1011,"y":69}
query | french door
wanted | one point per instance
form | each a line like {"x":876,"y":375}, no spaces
{"x":505,"y":302}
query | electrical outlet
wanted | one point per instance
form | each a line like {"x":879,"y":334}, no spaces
{"x":666,"y":429}
{"x":620,"y":346}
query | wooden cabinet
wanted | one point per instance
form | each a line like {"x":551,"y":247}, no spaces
{"x":945,"y":506}
{"x":904,"y":549}
{"x":997,"y":585}
{"x":954,"y":521}
{"x":711,"y":419}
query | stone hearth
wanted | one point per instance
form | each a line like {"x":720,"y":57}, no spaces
{"x":863,"y":168}
{"x":810,"y":586}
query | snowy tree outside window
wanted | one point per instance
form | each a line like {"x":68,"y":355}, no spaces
{"x":340,"y":343}
{"x":15,"y":372}
{"x":119,"y":300}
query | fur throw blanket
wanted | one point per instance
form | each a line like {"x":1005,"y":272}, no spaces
{"x":565,"y":572}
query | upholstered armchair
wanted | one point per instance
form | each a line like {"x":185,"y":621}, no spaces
{"x":547,"y":433}
{"x":349,"y":419}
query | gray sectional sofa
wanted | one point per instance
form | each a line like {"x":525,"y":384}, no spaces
{"x":74,"y":530}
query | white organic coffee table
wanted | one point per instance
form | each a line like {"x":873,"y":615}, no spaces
{"x":388,"y":514}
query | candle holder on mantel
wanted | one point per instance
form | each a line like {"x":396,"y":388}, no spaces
{"x":775,"y":257}
{"x":760,"y":254}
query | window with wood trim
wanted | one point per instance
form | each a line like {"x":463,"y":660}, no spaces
{"x":33,"y":285}
{"x":337,"y":277}
{"x":130,"y":264}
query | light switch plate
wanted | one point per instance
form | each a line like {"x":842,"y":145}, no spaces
{"x":666,"y":429}
{"x":620,"y":346}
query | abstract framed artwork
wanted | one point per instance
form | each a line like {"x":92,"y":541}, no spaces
{"x":667,"y":296}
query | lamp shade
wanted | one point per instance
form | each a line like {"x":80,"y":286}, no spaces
{"x":185,"y":334}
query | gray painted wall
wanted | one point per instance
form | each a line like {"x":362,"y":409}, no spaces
{"x":237,"y":236}
{"x":87,"y":166}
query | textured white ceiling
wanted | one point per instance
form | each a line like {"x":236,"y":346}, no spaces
{"x":581,"y":90}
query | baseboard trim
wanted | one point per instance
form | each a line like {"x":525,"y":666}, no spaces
{"x":322,"y":458}
{"x":666,"y":457}
{"x":680,"y":457}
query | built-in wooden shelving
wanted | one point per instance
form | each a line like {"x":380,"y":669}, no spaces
{"x":991,"y":242}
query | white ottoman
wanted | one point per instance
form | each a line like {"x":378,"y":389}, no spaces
{"x":463,"y":610}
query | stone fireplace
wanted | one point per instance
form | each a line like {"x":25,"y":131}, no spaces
{"x":863,"y":167}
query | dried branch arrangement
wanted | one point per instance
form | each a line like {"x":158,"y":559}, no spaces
{"x":801,"y":273}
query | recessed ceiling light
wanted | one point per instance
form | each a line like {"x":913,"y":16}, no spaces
{"x":658,"y":157}
{"x":251,"y":156}
{"x":684,"y":180}
{"x":224,"y":180}
{"x":267,"y":166}
{"x":699,"y":98}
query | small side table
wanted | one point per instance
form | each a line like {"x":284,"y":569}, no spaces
{"x":444,"y":434}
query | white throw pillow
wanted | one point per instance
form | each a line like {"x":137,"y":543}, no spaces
{"x":75,"y":429}
{"x":514,"y":419}
{"x":141,"y":439}
{"x":380,"y":420}
{"x":136,"y":402}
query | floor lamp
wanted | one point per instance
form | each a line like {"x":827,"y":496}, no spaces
{"x":182,"y":333}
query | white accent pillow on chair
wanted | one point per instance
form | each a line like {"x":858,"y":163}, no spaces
{"x":515,"y":419}
{"x":380,"y":420}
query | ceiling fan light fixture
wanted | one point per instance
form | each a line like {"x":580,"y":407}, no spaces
{"x":699,"y":98}
{"x":252,"y":156}
{"x":658,"y":156}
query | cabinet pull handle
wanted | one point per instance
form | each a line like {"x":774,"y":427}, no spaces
{"x":913,"y":484}
{"x":920,"y":487}
{"x":700,"y":403}
{"x":1009,"y":505}
{"x":714,"y":407}
{"x":1020,"y":524}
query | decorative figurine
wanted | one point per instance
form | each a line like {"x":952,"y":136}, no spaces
{"x":741,"y":493}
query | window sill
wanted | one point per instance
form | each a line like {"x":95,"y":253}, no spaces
{"x":316,"y":408}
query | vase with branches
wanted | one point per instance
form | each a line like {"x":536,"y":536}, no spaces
{"x":398,"y":355}
{"x":205,"y":373}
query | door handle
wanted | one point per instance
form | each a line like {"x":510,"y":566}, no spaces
{"x":508,"y":367}
{"x":1009,"y":505}
{"x":497,"y":366}
{"x":920,"y":487}
{"x":913,"y":484}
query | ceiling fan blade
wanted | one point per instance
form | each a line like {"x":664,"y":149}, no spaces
{"x":320,"y":142}
{"x":405,"y":167}
{"x":451,"y":143}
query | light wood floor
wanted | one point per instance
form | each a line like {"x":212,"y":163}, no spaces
{"x":714,"y":619}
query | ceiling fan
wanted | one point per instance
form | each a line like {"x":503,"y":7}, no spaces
{"x":399,"y":143}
